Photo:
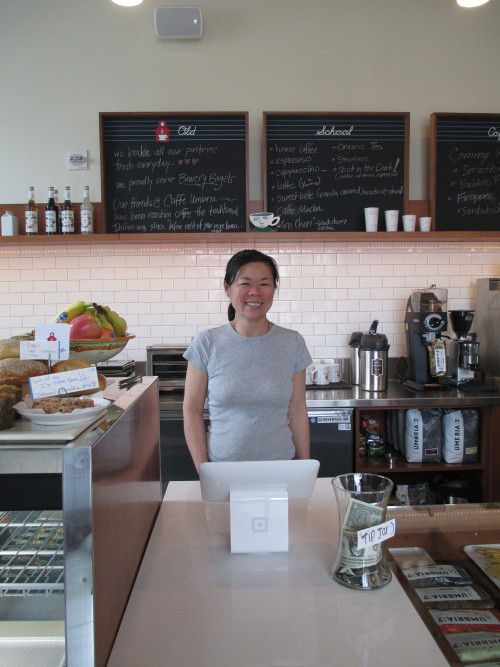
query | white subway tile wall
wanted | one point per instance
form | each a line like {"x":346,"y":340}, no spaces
{"x":168,"y":293}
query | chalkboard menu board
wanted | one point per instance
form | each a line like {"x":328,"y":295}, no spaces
{"x":323,"y":169}
{"x":174,"y":172}
{"x":465,"y":171}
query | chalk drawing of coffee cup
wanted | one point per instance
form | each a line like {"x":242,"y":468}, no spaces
{"x":264,"y":220}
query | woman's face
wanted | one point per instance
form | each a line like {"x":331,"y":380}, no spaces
{"x":252,"y":292}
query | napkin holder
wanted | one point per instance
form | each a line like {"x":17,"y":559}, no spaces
{"x":10,"y":224}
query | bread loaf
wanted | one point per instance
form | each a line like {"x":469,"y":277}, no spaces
{"x":19,"y":371}
{"x":11,"y":390}
{"x":9,"y":347}
{"x":7,"y":412}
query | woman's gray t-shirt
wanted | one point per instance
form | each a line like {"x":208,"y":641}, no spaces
{"x":249,"y":389}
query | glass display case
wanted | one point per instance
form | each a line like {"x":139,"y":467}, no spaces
{"x":461,"y":612}
{"x":75,"y":519}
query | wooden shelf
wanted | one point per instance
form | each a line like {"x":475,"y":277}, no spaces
{"x":401,"y":469}
{"x":246,"y":237}
{"x":419,"y":207}
{"x":379,"y":465}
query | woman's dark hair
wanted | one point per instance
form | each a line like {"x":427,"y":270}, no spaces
{"x":247,"y":257}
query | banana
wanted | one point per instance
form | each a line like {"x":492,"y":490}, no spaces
{"x":110,"y":319}
{"x":69,"y":312}
{"x":94,"y":310}
{"x":118,"y":322}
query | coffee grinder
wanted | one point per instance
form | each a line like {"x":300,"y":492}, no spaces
{"x":464,"y":349}
{"x":426,"y":318}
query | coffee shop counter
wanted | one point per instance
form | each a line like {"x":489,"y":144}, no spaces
{"x":396,"y":396}
{"x":194,"y":603}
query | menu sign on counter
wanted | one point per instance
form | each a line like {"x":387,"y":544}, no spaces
{"x":174,"y":172}
{"x":465,"y":171}
{"x":323,"y":169}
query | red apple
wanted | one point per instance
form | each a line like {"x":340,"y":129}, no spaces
{"x":107,"y":333}
{"x":84,"y":326}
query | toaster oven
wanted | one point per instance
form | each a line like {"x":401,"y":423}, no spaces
{"x":168,"y":364}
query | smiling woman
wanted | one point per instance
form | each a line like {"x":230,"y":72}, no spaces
{"x":251,"y":371}
{"x":250,"y":285}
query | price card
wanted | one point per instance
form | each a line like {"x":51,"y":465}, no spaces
{"x":51,"y":342}
{"x":59,"y":384}
{"x":376,"y":534}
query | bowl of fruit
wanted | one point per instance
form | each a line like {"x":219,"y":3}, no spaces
{"x":95,"y":350}
{"x":97,"y":333}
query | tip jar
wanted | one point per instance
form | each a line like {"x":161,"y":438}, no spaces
{"x":362,"y":503}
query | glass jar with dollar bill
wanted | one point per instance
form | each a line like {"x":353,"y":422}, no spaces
{"x":361,"y":560}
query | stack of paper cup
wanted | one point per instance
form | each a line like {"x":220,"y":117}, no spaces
{"x":371,"y":219}
{"x":425,"y":224}
{"x":391,"y":221}
{"x":409,"y":223}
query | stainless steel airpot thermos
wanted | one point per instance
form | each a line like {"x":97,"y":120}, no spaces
{"x":373,"y":359}
{"x":355,"y":344}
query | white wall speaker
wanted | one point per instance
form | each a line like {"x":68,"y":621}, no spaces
{"x":182,"y":22}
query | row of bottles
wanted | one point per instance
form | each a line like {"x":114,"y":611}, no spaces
{"x":59,"y":218}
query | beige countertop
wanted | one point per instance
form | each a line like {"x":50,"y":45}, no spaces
{"x":194,"y":604}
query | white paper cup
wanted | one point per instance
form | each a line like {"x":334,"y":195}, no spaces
{"x":409,"y":223}
{"x":424,"y":224}
{"x":391,"y":221}
{"x":334,"y":373}
{"x":371,"y":219}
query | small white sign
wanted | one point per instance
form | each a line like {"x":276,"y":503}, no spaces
{"x":376,"y":534}
{"x":51,"y":342}
{"x":40,"y":349}
{"x":59,"y":384}
{"x":78,"y":159}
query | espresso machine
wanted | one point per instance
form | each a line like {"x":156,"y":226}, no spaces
{"x":464,"y":349}
{"x":425,"y":320}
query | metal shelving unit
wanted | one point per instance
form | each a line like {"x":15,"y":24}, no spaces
{"x":31,"y":554}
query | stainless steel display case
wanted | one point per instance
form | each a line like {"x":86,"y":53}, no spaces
{"x":83,"y":556}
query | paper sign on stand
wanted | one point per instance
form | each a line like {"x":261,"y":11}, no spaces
{"x":51,"y":342}
{"x":59,"y":384}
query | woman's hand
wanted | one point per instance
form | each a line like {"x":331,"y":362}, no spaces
{"x":195,"y":393}
{"x":297,"y":417}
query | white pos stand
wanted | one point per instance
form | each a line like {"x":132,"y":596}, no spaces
{"x":258,"y":494}
{"x":259,"y":520}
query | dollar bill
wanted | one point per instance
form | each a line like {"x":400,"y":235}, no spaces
{"x":353,"y":558}
{"x":360,"y":515}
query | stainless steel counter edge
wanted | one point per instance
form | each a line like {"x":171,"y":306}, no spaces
{"x":47,"y":457}
{"x":396,"y":396}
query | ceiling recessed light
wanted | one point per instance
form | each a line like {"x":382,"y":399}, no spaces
{"x":471,"y":3}
{"x":127,"y":3}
